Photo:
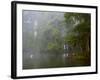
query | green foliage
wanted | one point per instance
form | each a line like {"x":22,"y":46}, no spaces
{"x":54,"y":47}
{"x":80,"y":31}
{"x":55,"y":32}
{"x":71,"y":39}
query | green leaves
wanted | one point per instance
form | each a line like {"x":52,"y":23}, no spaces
{"x":71,"y":39}
{"x":53,"y":46}
{"x":79,"y":32}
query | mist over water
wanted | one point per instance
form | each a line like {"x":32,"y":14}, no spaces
{"x":43,"y":33}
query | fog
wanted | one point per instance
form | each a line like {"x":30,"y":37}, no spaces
{"x":43,"y":39}
{"x":35,"y":23}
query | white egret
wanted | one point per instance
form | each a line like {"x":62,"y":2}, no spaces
{"x":31,"y":56}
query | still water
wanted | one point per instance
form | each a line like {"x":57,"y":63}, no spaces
{"x":47,"y":60}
